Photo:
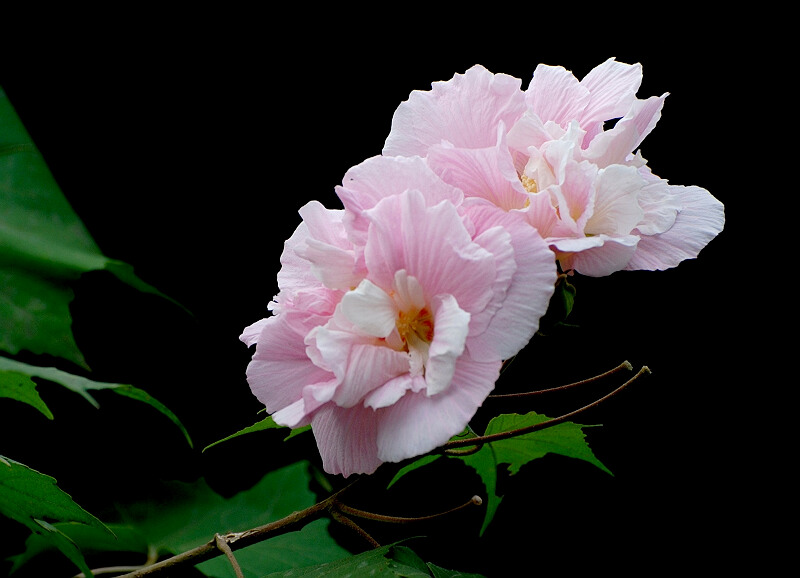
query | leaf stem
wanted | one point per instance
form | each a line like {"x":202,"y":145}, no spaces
{"x":621,"y":366}
{"x":447,"y":447}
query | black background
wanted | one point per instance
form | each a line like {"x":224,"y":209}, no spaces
{"x":187,"y":144}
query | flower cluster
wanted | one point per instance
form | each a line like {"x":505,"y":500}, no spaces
{"x":395,"y":313}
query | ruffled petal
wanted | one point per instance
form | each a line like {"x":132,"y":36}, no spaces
{"x":370,"y":309}
{"x":451,"y":326}
{"x":488,"y":173}
{"x":555,"y":94}
{"x":527,"y":295}
{"x":612,"y":86}
{"x":280,"y":368}
{"x":433,"y":245}
{"x":418,"y":423}
{"x":429,"y":117}
{"x":597,"y":256}
{"x":376,"y":178}
{"x":616,"y":205}
{"x":346,"y":439}
{"x":702,"y":217}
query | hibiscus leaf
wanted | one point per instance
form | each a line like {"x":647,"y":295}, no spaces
{"x":44,"y":246}
{"x":19,"y":386}
{"x":264,"y":424}
{"x":163,"y":520}
{"x":416,"y":464}
{"x":88,"y":539}
{"x":82,"y":386}
{"x":566,"y":439}
{"x":390,"y":561}
{"x":33,"y":499}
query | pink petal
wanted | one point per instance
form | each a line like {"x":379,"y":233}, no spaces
{"x":464,"y":111}
{"x":488,"y":173}
{"x":616,"y":206}
{"x":527,"y":296}
{"x":346,"y":439}
{"x":555,"y":94}
{"x":370,"y":309}
{"x":433,"y":245}
{"x":613,"y":146}
{"x":612,"y":86}
{"x":280,"y":368}
{"x":417,"y":423}
{"x":451,"y":326}
{"x":597,"y":256}
{"x":378,"y":177}
{"x":702,"y":217}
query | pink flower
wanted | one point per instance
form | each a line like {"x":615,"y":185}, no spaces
{"x":546,"y":154}
{"x":394,"y":315}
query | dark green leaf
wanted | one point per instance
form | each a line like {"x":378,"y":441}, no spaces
{"x":186,"y":515}
{"x":83,"y":386}
{"x":566,"y":439}
{"x":389,"y":561}
{"x":88,"y":539}
{"x":33,"y":499}
{"x":264,"y":424}
{"x":19,"y":386}
{"x":43,"y":247}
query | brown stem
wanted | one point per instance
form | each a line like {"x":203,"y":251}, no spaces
{"x":237,"y":540}
{"x":539,"y":426}
{"x":621,"y":366}
{"x":224,"y":547}
{"x":344,"y":509}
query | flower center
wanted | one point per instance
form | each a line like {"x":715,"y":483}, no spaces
{"x":530,"y":184}
{"x":415,"y":326}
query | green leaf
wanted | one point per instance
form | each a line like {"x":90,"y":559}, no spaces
{"x":416,"y":464}
{"x":88,"y":539}
{"x":19,"y":386}
{"x":186,"y":515}
{"x":44,"y":246}
{"x":82,"y":386}
{"x":33,"y":499}
{"x":390,"y":561}
{"x":264,"y":424}
{"x":566,"y":439}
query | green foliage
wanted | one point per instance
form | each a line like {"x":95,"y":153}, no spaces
{"x":33,"y":499}
{"x":88,"y":539}
{"x":264,"y":424}
{"x":18,"y":385}
{"x":566,"y":439}
{"x":392,"y":560}
{"x":43,"y":247}
{"x":14,"y":372}
{"x":186,"y":515}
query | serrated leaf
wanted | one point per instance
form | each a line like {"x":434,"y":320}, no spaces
{"x":186,"y":515}
{"x":21,"y":387}
{"x":33,"y":499}
{"x":43,"y":247}
{"x":566,"y":439}
{"x":84,"y":386}
{"x":265,"y":424}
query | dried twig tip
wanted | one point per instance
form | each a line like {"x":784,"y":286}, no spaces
{"x":477,"y":500}
{"x":627,"y":365}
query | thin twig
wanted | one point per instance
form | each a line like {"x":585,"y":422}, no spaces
{"x":347,"y":522}
{"x":621,"y":366}
{"x":344,"y":509}
{"x":539,"y":426}
{"x":226,"y":549}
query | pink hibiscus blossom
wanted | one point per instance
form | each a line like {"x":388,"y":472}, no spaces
{"x":547,"y":154}
{"x":394,"y":315}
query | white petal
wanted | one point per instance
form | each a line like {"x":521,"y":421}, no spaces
{"x":370,"y":308}
{"x":450,"y":330}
